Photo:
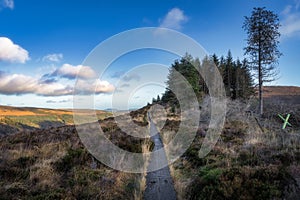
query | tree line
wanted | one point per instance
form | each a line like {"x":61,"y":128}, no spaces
{"x":236,"y":76}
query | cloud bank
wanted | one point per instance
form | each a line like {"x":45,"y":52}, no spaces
{"x":18,"y":84}
{"x":50,"y":85}
{"x":71,"y":72}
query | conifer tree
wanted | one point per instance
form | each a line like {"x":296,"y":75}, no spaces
{"x":262,"y":28}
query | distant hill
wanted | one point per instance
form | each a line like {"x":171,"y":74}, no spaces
{"x":15,"y":119}
{"x":270,"y":91}
{"x":282,"y":94}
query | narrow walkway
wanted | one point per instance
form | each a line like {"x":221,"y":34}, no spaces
{"x":159,"y":184}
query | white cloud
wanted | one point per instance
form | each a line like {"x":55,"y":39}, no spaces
{"x":7,"y":4}
{"x":71,"y":72}
{"x":12,"y":52}
{"x":290,"y":21}
{"x":97,"y":87}
{"x":56,"y":57}
{"x":174,"y":19}
{"x":18,"y":84}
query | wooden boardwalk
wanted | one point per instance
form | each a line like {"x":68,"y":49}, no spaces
{"x":159,"y":184}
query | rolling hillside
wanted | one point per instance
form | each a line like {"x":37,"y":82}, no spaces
{"x":282,"y":94}
{"x":15,"y":119}
{"x":54,"y":164}
{"x":270,"y":91}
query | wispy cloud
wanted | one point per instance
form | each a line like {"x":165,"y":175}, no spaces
{"x":125,"y":77}
{"x":51,"y":101}
{"x":125,"y":85}
{"x":7,"y":4}
{"x":130,"y":77}
{"x":56,"y":57}
{"x":11,"y":52}
{"x":290,"y":20}
{"x":287,"y":10}
{"x":118,"y":74}
{"x":60,"y":101}
{"x":174,"y":19}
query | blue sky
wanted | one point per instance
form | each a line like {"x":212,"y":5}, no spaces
{"x":43,"y":43}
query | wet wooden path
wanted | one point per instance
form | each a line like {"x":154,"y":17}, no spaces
{"x":159,"y":183}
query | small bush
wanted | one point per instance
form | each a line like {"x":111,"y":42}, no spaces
{"x":72,"y":158}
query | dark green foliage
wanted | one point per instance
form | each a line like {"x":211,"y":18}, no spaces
{"x":206,"y":185}
{"x":236,"y":76}
{"x":182,"y":72}
{"x":192,"y":155}
{"x":18,"y":169}
{"x":239,"y":183}
{"x":247,"y":158}
{"x":262,"y":28}
{"x":158,"y":98}
{"x":235,"y":73}
{"x":72,"y":158}
{"x":24,"y":162}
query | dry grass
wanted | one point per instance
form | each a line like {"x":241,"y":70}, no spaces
{"x":247,"y":149}
{"x":53,"y":164}
{"x":15,"y":111}
{"x":139,"y":192}
{"x":14,"y":119}
{"x":270,"y":91}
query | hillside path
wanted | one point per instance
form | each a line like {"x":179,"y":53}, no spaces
{"x":159,"y":184}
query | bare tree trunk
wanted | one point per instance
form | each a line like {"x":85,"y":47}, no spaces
{"x":260,"y":77}
{"x":260,"y":83}
{"x":261,"y":110}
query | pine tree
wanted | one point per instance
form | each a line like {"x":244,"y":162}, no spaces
{"x":185,"y":67}
{"x":229,"y":74}
{"x":158,"y":98}
{"x":262,"y":28}
{"x":236,"y":76}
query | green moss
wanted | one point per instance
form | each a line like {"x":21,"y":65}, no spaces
{"x":210,"y":175}
{"x":206,"y":184}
